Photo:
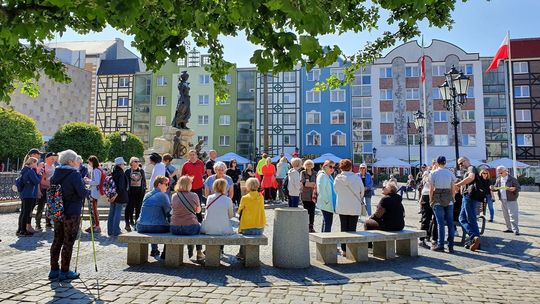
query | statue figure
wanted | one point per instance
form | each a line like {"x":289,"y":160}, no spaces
{"x":183,"y":109}
{"x":178,"y":149}
{"x":198,"y":149}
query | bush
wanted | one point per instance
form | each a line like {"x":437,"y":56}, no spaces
{"x":18,"y":134}
{"x":83,"y":138}
{"x":523,"y":181}
{"x":133,"y":146}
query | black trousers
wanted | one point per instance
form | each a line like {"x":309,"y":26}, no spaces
{"x":134,"y":204}
{"x":25,"y":217}
{"x":270,"y":194}
{"x":348,"y":224}
{"x":426,"y":216}
{"x":310,"y":207}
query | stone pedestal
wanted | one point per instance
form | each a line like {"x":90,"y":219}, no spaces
{"x":290,"y":242}
{"x":165,"y":144}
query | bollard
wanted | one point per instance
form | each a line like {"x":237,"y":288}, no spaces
{"x":290,"y":242}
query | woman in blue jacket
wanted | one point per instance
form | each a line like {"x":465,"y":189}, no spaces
{"x":326,"y":196}
{"x":367,"y":180}
{"x":30,"y":181}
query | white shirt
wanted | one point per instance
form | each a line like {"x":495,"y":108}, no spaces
{"x":216,"y":219}
{"x":294,"y":186}
{"x":504,"y":179}
{"x":427,"y":185}
{"x":159,"y":170}
{"x":347,"y":201}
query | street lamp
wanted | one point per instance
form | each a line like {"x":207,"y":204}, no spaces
{"x":454,"y":95}
{"x":374,"y":155}
{"x":123,"y":138}
{"x":419,"y":122}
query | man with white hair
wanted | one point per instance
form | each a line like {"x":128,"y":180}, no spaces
{"x":507,"y":188}
{"x":472,"y":195}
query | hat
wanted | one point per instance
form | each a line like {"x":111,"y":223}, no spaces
{"x":424,"y":166}
{"x":441,"y":160}
{"x":119,"y":161}
{"x":34,"y":151}
{"x":155,"y":157}
{"x":362,"y":165}
{"x":51,"y":154}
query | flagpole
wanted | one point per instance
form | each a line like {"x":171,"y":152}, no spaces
{"x":512,"y":114}
{"x":425,"y":139}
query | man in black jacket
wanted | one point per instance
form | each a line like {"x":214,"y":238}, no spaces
{"x":121,"y":197}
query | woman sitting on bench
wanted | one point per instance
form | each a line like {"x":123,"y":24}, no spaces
{"x":251,"y":213}
{"x":390,"y":214}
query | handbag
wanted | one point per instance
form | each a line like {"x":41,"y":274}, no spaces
{"x":363,"y":209}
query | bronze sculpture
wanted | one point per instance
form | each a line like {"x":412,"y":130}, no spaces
{"x":183,"y":109}
{"x":179,"y":150}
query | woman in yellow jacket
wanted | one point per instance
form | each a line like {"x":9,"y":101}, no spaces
{"x":251,"y":212}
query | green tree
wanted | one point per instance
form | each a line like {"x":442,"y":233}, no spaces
{"x":133,"y":146}
{"x":287,"y":31}
{"x":18,"y":134}
{"x":83,"y":138}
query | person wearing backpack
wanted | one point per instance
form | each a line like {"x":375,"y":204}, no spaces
{"x":137,"y":189}
{"x":66,"y":228}
{"x":96,"y":181}
{"x":48,"y":171}
{"x":27,"y":185}
{"x":121,"y":197}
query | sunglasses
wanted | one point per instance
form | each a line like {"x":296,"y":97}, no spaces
{"x":484,"y":174}
{"x":460,"y":163}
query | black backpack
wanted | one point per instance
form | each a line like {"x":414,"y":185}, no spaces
{"x":285,"y":186}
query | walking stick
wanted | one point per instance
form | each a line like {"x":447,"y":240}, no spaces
{"x":79,"y":241}
{"x":94,"y":250}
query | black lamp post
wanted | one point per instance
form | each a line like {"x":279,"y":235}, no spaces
{"x":123,"y":138}
{"x":454,"y":95}
{"x":419,"y":122}
{"x":374,"y":155}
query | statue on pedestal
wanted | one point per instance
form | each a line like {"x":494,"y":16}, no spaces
{"x":183,"y":109}
{"x":179,"y":150}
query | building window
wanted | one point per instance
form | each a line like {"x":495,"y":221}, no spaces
{"x":524,"y":140}
{"x":468,"y":140}
{"x":122,"y":122}
{"x":204,"y":79}
{"x":441,"y":140}
{"x":337,"y":117}
{"x":204,"y":100}
{"x":467,"y":69}
{"x":228,"y":79}
{"x":225,"y":102}
{"x":414,"y":139}
{"x":203,"y":119}
{"x":289,"y":76}
{"x":520,"y":67}
{"x":224,"y":140}
{"x":438,"y":70}
{"x":123,"y":82}
{"x":289,"y":97}
{"x":161,"y":121}
{"x":161,"y":81}
{"x":387,"y":139}
{"x":313,"y":118}
{"x":313,"y":139}
{"x":440,"y":116}
{"x":412,"y":94}
{"x":521,"y":91}
{"x":337,"y":138}
{"x":337,"y":95}
{"x":289,"y":140}
{"x":387,"y":117}
{"x":313,"y":96}
{"x":181,"y":62}
{"x":313,"y":75}
{"x":205,"y":60}
{"x":108,"y":102}
{"x":361,"y":130}
{"x":386,"y":72}
{"x":224,"y":120}
{"x":361,"y":107}
{"x":161,"y":101}
{"x":289,"y":118}
{"x":203,"y":138}
{"x":467,"y":115}
{"x":122,"y":101}
{"x":386,"y":94}
{"x":435,"y":93}
{"x":523,"y":115}
{"x":411,"y":71}
{"x":470,"y":92}
{"x":338,"y":73}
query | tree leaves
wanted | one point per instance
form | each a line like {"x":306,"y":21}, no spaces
{"x":133,"y":146}
{"x":18,"y":134}
{"x":83,"y":138}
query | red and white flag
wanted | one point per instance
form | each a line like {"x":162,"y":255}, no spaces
{"x":502,"y":53}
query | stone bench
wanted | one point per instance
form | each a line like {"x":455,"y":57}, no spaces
{"x":385,"y":244}
{"x":138,"y":246}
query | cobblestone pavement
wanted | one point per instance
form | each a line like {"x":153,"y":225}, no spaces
{"x":506,"y":270}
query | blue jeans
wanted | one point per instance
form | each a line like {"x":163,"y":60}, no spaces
{"x":444,"y":214}
{"x":328,"y":217}
{"x":113,"y":223}
{"x":293,"y":201}
{"x":489,"y":202}
{"x":152,"y":229}
{"x":253,"y":231}
{"x":186,"y":230}
{"x":367,"y":201}
{"x":468,"y":216}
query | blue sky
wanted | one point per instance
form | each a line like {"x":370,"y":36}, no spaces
{"x":480,"y":27}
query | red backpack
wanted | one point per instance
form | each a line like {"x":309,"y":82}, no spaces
{"x":102,"y":182}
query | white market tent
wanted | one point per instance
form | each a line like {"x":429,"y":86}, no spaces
{"x":391,"y":162}
{"x":227,"y":157}
{"x":508,"y":163}
{"x":327,"y":156}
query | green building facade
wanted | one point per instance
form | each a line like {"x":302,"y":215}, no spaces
{"x":225,"y":118}
{"x":163,"y":102}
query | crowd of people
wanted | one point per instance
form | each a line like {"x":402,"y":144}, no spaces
{"x":174,"y":199}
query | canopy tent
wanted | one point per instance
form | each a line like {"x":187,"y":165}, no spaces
{"x":228,"y":156}
{"x":391,"y":162}
{"x":508,"y":163}
{"x":327,"y":156}
{"x":474,"y":162}
{"x":276,"y":158}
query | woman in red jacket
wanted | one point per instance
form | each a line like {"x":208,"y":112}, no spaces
{"x":269,"y":182}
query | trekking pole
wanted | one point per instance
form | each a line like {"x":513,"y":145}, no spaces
{"x":94,"y":250}
{"x":79,"y":241}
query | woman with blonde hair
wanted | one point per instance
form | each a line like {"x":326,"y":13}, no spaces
{"x":29,"y":180}
{"x":326,"y":198}
{"x":485,"y":179}
{"x":251,"y":212}
{"x":309,"y":187}
{"x":185,"y":206}
{"x":281,"y":172}
{"x":219,"y":211}
{"x":294,"y":186}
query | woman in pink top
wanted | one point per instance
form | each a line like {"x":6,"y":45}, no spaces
{"x":185,"y":206}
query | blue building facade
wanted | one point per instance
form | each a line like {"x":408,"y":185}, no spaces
{"x":326,"y":115}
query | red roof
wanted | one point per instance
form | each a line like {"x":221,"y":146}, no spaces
{"x":525,"y":48}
